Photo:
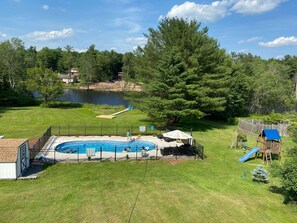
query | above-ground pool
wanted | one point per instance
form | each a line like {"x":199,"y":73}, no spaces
{"x":104,"y":146}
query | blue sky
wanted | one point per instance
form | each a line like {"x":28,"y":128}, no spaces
{"x":267,"y":28}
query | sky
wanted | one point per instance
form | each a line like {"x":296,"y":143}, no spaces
{"x":266,"y":28}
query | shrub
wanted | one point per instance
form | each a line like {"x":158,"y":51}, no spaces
{"x":259,"y":174}
{"x":241,"y":137}
{"x":273,"y":118}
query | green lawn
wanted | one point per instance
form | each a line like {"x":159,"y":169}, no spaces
{"x":209,"y":190}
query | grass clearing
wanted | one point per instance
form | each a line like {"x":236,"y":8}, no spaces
{"x":209,"y":190}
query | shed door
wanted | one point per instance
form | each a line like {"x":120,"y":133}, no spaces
{"x":23,"y":157}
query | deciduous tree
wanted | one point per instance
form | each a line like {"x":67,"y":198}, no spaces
{"x":45,"y":82}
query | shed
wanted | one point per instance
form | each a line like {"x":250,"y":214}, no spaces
{"x":14,"y":158}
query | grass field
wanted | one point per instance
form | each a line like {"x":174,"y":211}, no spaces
{"x":209,"y":190}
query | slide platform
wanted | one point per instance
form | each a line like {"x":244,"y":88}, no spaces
{"x":249,"y":154}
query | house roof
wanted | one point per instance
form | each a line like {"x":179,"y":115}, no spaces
{"x":271,"y":134}
{"x":9,"y":149}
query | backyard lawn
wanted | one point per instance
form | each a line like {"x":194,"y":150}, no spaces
{"x":210,"y":190}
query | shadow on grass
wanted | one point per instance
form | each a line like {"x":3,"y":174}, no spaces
{"x":188,"y":124}
{"x":277,"y":190}
{"x":7,"y":108}
{"x":65,"y":105}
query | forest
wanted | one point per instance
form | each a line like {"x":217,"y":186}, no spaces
{"x":180,"y":66}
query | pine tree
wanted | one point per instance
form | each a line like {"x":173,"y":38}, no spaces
{"x":185,"y":71}
{"x":259,"y":174}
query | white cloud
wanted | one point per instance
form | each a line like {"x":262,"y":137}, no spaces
{"x":255,"y":6}
{"x":252,"y":39}
{"x":133,"y":27}
{"x":219,"y":9}
{"x":137,"y":40}
{"x":201,"y":12}
{"x":3,"y":35}
{"x":281,"y":41}
{"x":80,"y":50}
{"x":51,"y":35}
{"x":45,"y":7}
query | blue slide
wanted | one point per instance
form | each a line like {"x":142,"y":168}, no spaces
{"x":249,"y":154}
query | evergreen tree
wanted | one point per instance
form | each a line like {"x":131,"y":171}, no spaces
{"x":185,"y":71}
{"x":259,"y":174}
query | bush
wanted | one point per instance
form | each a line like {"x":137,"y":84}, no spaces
{"x":289,"y":178}
{"x":241,"y":137}
{"x":273,"y":118}
{"x":259,"y":174}
{"x":293,"y":131}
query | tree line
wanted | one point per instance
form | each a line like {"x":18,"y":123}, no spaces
{"x":21,"y":69}
{"x":183,"y":72}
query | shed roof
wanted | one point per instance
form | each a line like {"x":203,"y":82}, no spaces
{"x":271,"y":134}
{"x":9,"y":149}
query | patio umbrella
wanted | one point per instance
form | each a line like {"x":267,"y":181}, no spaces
{"x":177,"y":134}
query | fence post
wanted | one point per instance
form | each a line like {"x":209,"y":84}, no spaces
{"x":54,"y":156}
{"x":136,"y":151}
{"x":100,"y":153}
{"x":115,"y":153}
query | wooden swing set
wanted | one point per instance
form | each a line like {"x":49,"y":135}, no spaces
{"x":268,"y":141}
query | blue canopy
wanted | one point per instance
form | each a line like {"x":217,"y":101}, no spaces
{"x":271,"y":134}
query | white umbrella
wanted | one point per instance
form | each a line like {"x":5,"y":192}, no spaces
{"x":177,"y":134}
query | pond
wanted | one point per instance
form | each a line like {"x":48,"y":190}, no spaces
{"x":93,"y":97}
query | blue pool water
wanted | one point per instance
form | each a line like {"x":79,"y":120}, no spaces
{"x":106,"y":145}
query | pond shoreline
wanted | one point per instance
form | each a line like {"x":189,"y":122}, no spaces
{"x":116,"y":86}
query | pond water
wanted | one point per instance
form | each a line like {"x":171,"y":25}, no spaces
{"x":93,"y":97}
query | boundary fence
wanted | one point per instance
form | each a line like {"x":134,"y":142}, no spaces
{"x":39,"y":143}
{"x":256,"y":126}
{"x":101,"y":130}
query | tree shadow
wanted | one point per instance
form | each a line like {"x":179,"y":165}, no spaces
{"x":277,"y":190}
{"x":201,"y":125}
{"x":4,"y":109}
{"x":187,"y":124}
{"x":65,"y":105}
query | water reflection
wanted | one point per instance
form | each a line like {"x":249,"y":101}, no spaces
{"x":93,"y":97}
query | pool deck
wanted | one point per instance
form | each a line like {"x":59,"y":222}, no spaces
{"x":49,"y":149}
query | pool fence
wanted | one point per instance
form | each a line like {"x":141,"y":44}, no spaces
{"x":41,"y":145}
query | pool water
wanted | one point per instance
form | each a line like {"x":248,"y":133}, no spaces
{"x":106,"y":146}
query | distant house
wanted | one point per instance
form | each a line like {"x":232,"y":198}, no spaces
{"x":74,"y":72}
{"x":68,"y":78}
{"x":14,"y":158}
